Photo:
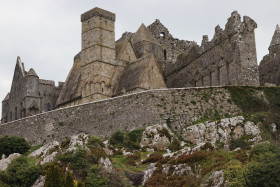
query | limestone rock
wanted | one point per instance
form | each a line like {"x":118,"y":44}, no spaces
{"x":77,"y":140}
{"x":42,"y":151}
{"x":153,"y":137}
{"x":216,"y":179}
{"x":106,"y":163}
{"x":223,"y":131}
{"x":4,"y":163}
{"x":39,"y":182}
{"x":251,"y":129}
{"x":48,"y":158}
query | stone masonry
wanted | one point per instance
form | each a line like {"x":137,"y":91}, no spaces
{"x":29,"y":95}
{"x":151,"y":58}
{"x":269,"y":67}
{"x":179,"y":107}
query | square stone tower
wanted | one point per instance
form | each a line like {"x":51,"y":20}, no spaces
{"x":98,"y":54}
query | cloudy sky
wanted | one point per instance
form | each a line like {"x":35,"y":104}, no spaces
{"x":46,"y":33}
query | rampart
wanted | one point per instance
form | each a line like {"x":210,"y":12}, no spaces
{"x":176,"y":107}
{"x":228,"y":59}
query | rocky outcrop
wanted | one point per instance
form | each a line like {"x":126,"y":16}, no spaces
{"x":222,"y":131}
{"x":4,"y":163}
{"x":157,"y":137}
{"x":40,"y":182}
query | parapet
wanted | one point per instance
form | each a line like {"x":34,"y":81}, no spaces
{"x":98,"y":12}
{"x":46,"y":82}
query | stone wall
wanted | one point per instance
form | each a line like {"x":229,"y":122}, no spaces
{"x":177,"y":107}
{"x":228,"y":59}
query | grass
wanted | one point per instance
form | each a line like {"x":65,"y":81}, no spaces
{"x":32,"y":149}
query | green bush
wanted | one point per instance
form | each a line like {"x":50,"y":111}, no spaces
{"x":11,"y":144}
{"x":129,"y":140}
{"x":175,"y":145}
{"x":264,"y":170}
{"x":241,"y":142}
{"x":94,"y":179}
{"x":54,"y":177}
{"x":95,"y":142}
{"x":69,"y":182}
{"x":235,"y":176}
{"x":20,"y":173}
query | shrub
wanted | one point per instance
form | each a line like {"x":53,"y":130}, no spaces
{"x":94,"y":142}
{"x":65,"y":143}
{"x":241,"y":142}
{"x":165,"y":132}
{"x":20,"y":173}
{"x":94,"y":179}
{"x":241,"y":155}
{"x":131,"y":159}
{"x":54,"y":177}
{"x":81,"y":184}
{"x":175,"y":145}
{"x":207,"y":146}
{"x":192,"y":158}
{"x":129,"y":140}
{"x":69,"y":182}
{"x":264,"y":170}
{"x":11,"y":144}
{"x":235,"y":176}
{"x":153,"y":158}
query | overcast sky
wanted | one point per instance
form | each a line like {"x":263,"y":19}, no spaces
{"x":46,"y":33}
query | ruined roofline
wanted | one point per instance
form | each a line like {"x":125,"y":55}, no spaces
{"x":98,"y":12}
{"x":276,"y":37}
{"x":233,"y":26}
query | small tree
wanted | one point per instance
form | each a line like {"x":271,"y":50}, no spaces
{"x":69,"y":182}
{"x":54,"y":177}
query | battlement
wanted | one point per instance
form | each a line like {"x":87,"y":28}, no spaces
{"x":98,"y":12}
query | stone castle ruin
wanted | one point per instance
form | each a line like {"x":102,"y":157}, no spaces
{"x":150,"y":58}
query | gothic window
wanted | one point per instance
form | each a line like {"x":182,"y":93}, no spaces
{"x":88,"y":23}
{"x":164,"y":54}
{"x":102,"y":90}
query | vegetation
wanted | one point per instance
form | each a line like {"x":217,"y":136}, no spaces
{"x":249,"y":166}
{"x":22,"y":172}
{"x":130,"y":140}
{"x":54,"y":177}
{"x":12,"y":144}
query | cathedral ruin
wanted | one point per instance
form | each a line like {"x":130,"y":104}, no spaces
{"x":150,"y":58}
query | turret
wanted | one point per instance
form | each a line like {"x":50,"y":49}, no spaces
{"x":98,"y":54}
{"x":32,"y":83}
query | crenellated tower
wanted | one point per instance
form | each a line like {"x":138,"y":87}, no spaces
{"x":98,"y":54}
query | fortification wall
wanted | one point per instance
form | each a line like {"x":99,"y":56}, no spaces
{"x":228,"y":59}
{"x":179,"y":107}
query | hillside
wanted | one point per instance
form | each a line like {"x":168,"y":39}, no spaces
{"x":204,"y":137}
